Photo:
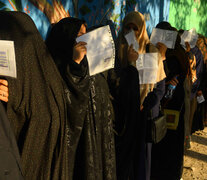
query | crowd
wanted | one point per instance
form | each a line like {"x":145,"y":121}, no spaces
{"x":62,"y":123}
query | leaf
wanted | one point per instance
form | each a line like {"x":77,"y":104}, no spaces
{"x":84,"y":10}
{"x":17,"y":4}
{"x":2,"y":4}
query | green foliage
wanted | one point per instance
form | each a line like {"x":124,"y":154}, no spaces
{"x":186,"y":14}
{"x":84,"y":10}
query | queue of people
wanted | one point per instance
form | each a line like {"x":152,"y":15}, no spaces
{"x":70,"y":125}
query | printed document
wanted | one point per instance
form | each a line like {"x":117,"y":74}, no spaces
{"x":7,"y":59}
{"x":166,"y":37}
{"x":100,"y":49}
{"x":189,"y":36}
{"x":147,"y":65}
{"x":131,"y":39}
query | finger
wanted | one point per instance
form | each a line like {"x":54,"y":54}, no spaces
{"x":131,"y":46}
{"x":5,"y":99}
{"x":4,"y":88}
{"x":81,"y":43}
{"x":4,"y":95}
{"x":4,"y":82}
{"x":174,"y":83}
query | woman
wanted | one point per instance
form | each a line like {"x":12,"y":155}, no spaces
{"x":90,"y":115}
{"x":36,"y":106}
{"x":167,"y":156}
{"x":150,"y":94}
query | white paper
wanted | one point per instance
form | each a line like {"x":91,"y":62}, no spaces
{"x":131,"y":39}
{"x":166,"y":37}
{"x":147,"y":65}
{"x":189,"y":36}
{"x":200,"y":99}
{"x":100,"y":49}
{"x":7,"y":59}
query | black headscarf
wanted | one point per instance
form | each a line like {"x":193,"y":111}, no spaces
{"x":178,"y":53}
{"x":61,"y":40}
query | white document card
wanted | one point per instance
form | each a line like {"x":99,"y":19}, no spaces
{"x":147,"y":65}
{"x":189,"y":36}
{"x":166,"y":37}
{"x":7,"y":59}
{"x":100,"y":49}
{"x":131,"y":39}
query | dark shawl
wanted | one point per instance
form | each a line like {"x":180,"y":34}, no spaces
{"x":167,"y":155}
{"x":36,"y":107}
{"x":129,"y":126}
{"x":10,"y":166}
{"x":90,"y":112}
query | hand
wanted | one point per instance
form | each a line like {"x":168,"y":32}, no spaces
{"x":4,"y":90}
{"x":173,"y":81}
{"x":132,"y":55}
{"x":199,"y":93}
{"x":162,"y":48}
{"x":141,"y":108}
{"x":79,"y":51}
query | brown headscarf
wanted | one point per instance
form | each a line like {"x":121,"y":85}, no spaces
{"x":137,"y":19}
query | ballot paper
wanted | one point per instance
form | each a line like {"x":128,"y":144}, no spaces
{"x":100,"y":49}
{"x":7,"y":59}
{"x":147,"y":65}
{"x":131,"y":39}
{"x":166,"y":37}
{"x":189,"y":36}
{"x":200,"y":99}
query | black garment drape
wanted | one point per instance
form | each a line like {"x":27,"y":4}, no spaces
{"x":90,"y":113}
{"x":36,"y":106}
{"x":10,"y":166}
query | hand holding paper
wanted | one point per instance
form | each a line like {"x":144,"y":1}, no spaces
{"x":79,"y":51}
{"x":131,"y":40}
{"x":147,"y":65}
{"x":189,"y":36}
{"x":132,"y":55}
{"x":166,"y":37}
{"x":100,"y":49}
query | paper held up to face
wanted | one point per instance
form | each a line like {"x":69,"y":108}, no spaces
{"x":147,"y":65}
{"x":100,"y":49}
{"x":166,"y":37}
{"x":131,"y":39}
{"x":189,"y":36}
{"x":7,"y":59}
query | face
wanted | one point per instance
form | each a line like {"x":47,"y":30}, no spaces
{"x":82,"y":30}
{"x":133,"y":27}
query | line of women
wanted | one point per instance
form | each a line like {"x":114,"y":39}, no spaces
{"x":69,"y":125}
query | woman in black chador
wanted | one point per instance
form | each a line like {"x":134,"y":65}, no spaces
{"x":90,"y":114}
